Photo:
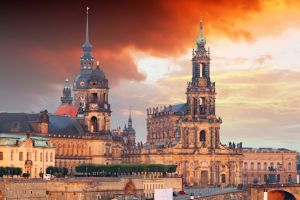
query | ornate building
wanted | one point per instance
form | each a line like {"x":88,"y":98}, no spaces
{"x":188,"y":134}
{"x":79,"y":131}
{"x":91,"y":91}
{"x":185,"y":134}
{"x":32,"y":154}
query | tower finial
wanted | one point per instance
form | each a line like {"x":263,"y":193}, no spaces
{"x":201,"y":28}
{"x":87,"y":26}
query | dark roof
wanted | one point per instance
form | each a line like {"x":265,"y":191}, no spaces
{"x":64,"y":125}
{"x":17,"y":122}
{"x":23,"y":122}
{"x":176,"y":107}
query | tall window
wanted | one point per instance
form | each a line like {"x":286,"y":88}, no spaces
{"x":35,"y":156}
{"x":223,"y":178}
{"x":265,"y":166}
{"x":258,"y":166}
{"x":202,"y":136}
{"x":290,"y":166}
{"x":51,"y":157}
{"x":20,"y":156}
{"x":46,"y":156}
{"x":1,"y":155}
{"x":252,"y":166}
{"x":12,"y":155}
{"x":245,"y":165}
{"x":28,"y":156}
{"x":41,"y":157}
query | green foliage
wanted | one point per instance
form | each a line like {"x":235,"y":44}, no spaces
{"x":10,"y":171}
{"x":57,"y":171}
{"x":25,"y":175}
{"x":116,"y":169}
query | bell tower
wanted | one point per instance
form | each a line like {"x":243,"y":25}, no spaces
{"x":201,"y":91}
{"x":91,"y":91}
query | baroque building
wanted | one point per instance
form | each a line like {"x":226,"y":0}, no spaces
{"x":188,"y":134}
{"x":80,"y":127}
{"x":32,"y":154}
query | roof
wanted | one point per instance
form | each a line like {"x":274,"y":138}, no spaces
{"x":66,"y":110}
{"x":265,"y":149}
{"x":64,"y":125}
{"x":24,"y":122}
{"x":175,"y":108}
{"x":9,"y":139}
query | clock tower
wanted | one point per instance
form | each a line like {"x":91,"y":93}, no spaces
{"x":91,"y":91}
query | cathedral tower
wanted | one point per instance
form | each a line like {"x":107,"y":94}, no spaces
{"x":91,"y":91}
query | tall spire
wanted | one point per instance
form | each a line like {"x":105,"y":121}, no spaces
{"x":201,"y":28}
{"x":87,"y":58}
{"x":87,"y":26}
{"x":87,"y":47}
{"x":130,"y":119}
{"x":201,"y":41}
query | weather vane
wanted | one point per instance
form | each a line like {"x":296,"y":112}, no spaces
{"x":87,"y":10}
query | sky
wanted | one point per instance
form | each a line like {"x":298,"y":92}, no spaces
{"x":145,"y":50}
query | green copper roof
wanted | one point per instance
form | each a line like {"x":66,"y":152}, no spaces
{"x":8,"y":139}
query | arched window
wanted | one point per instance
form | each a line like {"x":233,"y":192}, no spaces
{"x":46,"y":156}
{"x":265,"y":166}
{"x":94,"y":124}
{"x":290,"y":166}
{"x":258,"y":166}
{"x":202,"y":136}
{"x":246,"y":165}
{"x":278,"y":166}
{"x":252,"y":166}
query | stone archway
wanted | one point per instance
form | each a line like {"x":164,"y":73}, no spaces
{"x":130,"y":188}
{"x":280,"y":195}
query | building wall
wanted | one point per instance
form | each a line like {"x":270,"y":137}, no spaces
{"x":30,"y":159}
{"x":71,"y":152}
{"x":107,"y":188}
{"x":256,"y":165}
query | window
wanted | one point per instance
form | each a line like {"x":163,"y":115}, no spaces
{"x":278,"y":178}
{"x":12,"y":155}
{"x":46,"y":157}
{"x":41,"y":157}
{"x":265,"y":166}
{"x":223,"y":178}
{"x":290,"y":166}
{"x":28,"y":156}
{"x":51,"y":157}
{"x":265,"y":178}
{"x":245,"y":165}
{"x":252,"y":165}
{"x":20,"y":156}
{"x":278,"y":166}
{"x":290,"y":178}
{"x":258,"y":166}
{"x":202,"y":136}
{"x":35,"y":156}
{"x":1,"y":155}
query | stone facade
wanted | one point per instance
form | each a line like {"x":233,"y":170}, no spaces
{"x":188,"y":134}
{"x":269,"y":165}
{"x":32,"y":154}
